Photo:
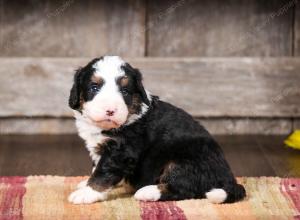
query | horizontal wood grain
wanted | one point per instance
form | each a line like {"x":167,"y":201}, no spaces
{"x":241,"y":126}
{"x":218,"y":126}
{"x":205,"y":87}
{"x":70,"y":28}
{"x":220,"y":28}
{"x":37,"y":126}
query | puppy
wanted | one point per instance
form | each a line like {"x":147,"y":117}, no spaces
{"x":155,"y":147}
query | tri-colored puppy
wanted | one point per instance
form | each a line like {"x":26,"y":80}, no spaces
{"x":157,"y":148}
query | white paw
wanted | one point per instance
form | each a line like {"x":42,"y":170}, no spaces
{"x":216,"y":195}
{"x":148,"y":193}
{"x":82,"y":184}
{"x":86,"y":195}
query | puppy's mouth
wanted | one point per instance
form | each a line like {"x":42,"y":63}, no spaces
{"x":106,"y":124}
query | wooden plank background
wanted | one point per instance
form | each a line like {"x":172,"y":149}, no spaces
{"x":72,"y":28}
{"x":205,"y":87}
{"x":241,"y":126}
{"x":132,"y":28}
{"x":220,"y":28}
{"x":296,"y":124}
{"x":297,"y":30}
{"x":240,"y":95}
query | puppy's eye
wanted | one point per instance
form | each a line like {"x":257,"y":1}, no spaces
{"x":94,"y":88}
{"x":125,"y":92}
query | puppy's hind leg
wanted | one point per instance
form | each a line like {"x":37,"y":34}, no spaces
{"x":230,"y":193}
{"x":173,"y":185}
{"x":160,"y":192}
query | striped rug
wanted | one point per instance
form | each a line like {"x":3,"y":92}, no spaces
{"x":45,"y":197}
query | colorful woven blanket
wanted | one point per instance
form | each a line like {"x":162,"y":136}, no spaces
{"x":45,"y":197}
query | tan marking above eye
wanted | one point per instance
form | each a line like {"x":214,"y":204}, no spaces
{"x":124,"y":81}
{"x":96,"y":79}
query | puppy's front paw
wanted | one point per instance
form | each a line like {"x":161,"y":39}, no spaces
{"x":86,"y":195}
{"x":82,"y":184}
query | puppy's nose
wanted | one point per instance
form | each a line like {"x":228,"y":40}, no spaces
{"x":110,"y":112}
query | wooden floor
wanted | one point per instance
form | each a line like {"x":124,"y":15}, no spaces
{"x":66,"y":155}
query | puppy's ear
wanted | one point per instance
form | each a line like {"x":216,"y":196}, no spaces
{"x":140,"y":86}
{"x":74,"y":99}
{"x":137,"y":77}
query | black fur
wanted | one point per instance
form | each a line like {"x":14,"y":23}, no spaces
{"x":139,"y":153}
{"x":166,"y":146}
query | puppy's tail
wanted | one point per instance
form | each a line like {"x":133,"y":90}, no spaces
{"x":227,"y":194}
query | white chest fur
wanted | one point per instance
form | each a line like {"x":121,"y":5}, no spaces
{"x":91,"y":134}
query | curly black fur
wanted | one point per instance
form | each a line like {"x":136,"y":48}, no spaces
{"x":169,"y":148}
{"x":164,"y":147}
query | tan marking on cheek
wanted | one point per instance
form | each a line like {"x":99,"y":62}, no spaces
{"x":96,"y":79}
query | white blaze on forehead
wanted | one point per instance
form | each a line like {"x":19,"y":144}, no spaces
{"x":109,"y":67}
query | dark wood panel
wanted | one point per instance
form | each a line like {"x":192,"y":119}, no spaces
{"x":66,"y":155}
{"x":282,"y":159}
{"x":297,"y":30}
{"x":220,"y":28}
{"x":245,"y":156}
{"x":43,"y":155}
{"x":72,"y":28}
{"x":205,"y":87}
